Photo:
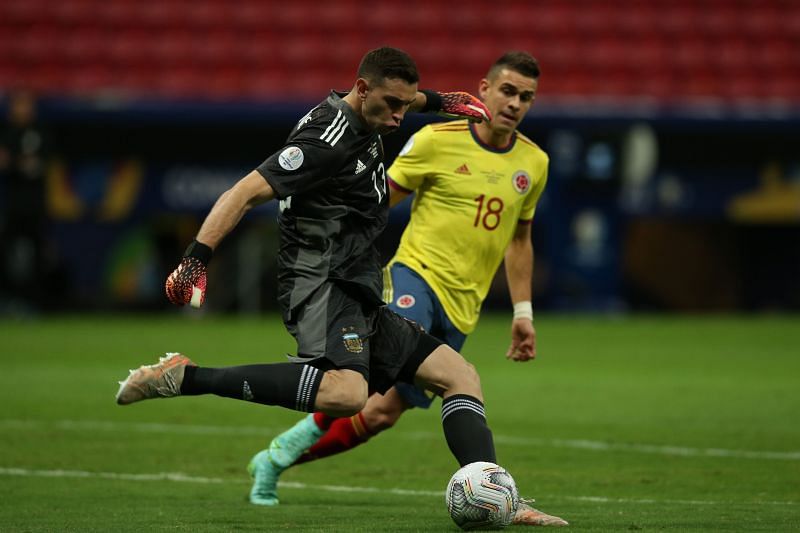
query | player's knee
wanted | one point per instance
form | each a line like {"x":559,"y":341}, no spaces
{"x":378,"y":421}
{"x":342,"y":393}
{"x":446,"y":372}
{"x":383,"y":410}
{"x":470,"y":376}
{"x":349,"y":404}
{"x":341,"y":403}
{"x":465,"y":380}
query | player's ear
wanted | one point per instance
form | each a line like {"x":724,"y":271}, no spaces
{"x":362,"y":88}
{"x":483,"y":88}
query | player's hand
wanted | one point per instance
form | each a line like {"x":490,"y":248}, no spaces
{"x":187,"y":283}
{"x":464,"y":105}
{"x":523,"y":340}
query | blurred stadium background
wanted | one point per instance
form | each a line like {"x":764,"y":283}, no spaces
{"x":672,"y":128}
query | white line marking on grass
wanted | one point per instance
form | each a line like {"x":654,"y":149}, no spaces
{"x":184,"y":478}
{"x":342,"y":488}
{"x":578,"y":444}
{"x":160,"y":476}
{"x":602,"y":499}
{"x":139,"y":427}
{"x":649,"y":448}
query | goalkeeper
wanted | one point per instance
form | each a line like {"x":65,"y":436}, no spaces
{"x":477,"y":186}
{"x":331,"y":181}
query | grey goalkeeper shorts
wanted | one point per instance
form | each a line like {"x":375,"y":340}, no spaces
{"x":335,"y":329}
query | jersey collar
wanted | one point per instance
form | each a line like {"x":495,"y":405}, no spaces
{"x":335,"y":99}
{"x":503,"y":150}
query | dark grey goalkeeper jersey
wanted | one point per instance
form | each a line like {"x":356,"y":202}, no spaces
{"x":331,"y":181}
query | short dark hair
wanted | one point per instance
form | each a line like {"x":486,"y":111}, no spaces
{"x":521,"y":62}
{"x":387,"y":62}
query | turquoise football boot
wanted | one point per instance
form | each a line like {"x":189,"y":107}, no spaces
{"x":267,"y":465}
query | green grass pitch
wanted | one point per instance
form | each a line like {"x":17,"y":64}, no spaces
{"x":642,"y":423}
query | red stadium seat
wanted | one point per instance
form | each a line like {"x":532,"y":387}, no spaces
{"x":19,"y":12}
{"x":135,"y":80}
{"x":679,"y":21}
{"x":790,"y":23}
{"x":9,"y":73}
{"x":166,"y":14}
{"x":288,"y":17}
{"x":700,"y":85}
{"x":46,"y":79}
{"x":342,"y":16}
{"x":742,"y":86}
{"x":118,"y":14}
{"x":692,"y":54}
{"x":594,"y":20}
{"x":87,"y":80}
{"x":303,"y":52}
{"x":666,"y":49}
{"x":639,"y":20}
{"x":83,"y":45}
{"x":222,"y":84}
{"x":215,"y":48}
{"x":255,"y":15}
{"x":549,"y":19}
{"x":648,"y":54}
{"x":131,"y":46}
{"x":177,"y":48}
{"x":736,"y":55}
{"x":776,"y":54}
{"x":760,"y":23}
{"x":261,"y":85}
{"x":260,"y":50}
{"x":201,"y":14}
{"x":717,"y":22}
{"x":384,"y":15}
{"x":71,"y":11}
{"x":783,"y":88}
{"x":605,"y":54}
{"x":37,"y":44}
{"x":659,"y":86}
{"x":179,"y":82}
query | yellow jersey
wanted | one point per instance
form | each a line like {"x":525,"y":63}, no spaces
{"x":469,"y":199}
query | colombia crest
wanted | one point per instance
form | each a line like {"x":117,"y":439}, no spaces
{"x":521,"y":181}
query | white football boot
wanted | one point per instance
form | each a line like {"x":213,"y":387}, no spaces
{"x":528,"y":516}
{"x":161,"y":380}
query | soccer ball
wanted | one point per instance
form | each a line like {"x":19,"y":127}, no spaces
{"x":482,"y":495}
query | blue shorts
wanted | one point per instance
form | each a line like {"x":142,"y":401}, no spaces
{"x":413,"y":298}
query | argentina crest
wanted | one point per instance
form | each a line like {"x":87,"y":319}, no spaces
{"x":352,"y":341}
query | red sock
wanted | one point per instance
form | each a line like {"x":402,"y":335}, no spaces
{"x":343,"y":434}
{"x":323,"y":421}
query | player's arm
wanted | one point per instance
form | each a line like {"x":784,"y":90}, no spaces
{"x":397,"y":193}
{"x":231,"y":206}
{"x":187,"y":283}
{"x":519,"y":272}
{"x":454,"y":105}
{"x":412,"y":167}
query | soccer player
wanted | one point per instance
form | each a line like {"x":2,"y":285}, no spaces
{"x":331,"y":181}
{"x":477,"y":186}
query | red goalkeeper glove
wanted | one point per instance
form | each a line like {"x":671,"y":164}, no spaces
{"x":456,"y":105}
{"x":187,"y":283}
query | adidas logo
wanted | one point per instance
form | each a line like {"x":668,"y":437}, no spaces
{"x":463,"y":169}
{"x":360,"y":166}
{"x":247,"y":394}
